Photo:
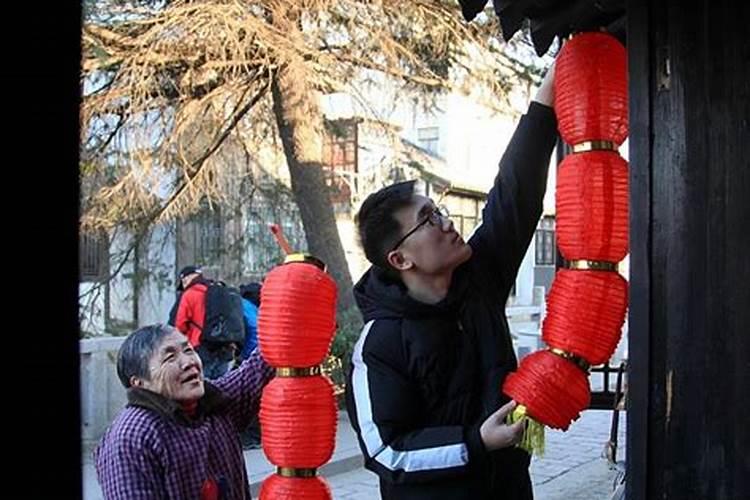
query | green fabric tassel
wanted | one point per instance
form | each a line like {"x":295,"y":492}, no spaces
{"x":533,"y":433}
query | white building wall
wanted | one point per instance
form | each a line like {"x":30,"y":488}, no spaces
{"x":157,"y":288}
{"x":471,"y":140}
{"x":102,"y":393}
{"x":91,"y":307}
{"x":121,"y":286}
{"x":355,"y":257}
{"x":525,"y":278}
{"x":157,"y":292}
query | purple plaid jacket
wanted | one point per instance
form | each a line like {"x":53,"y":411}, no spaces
{"x":151,"y":451}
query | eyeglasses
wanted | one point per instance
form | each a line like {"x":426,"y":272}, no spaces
{"x":434,"y":218}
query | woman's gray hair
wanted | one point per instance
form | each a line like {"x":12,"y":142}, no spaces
{"x":136,"y":351}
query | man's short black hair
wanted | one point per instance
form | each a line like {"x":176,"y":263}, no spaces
{"x":251,"y":292}
{"x":187,"y":271}
{"x":378,"y":229}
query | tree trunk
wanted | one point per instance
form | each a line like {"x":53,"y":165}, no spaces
{"x":300,"y":125}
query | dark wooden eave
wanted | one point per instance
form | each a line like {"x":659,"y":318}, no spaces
{"x":548,"y":19}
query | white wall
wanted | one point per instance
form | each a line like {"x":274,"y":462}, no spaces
{"x":102,"y":394}
{"x":121,"y":287}
{"x":91,"y":304}
{"x":157,"y":293}
{"x":355,"y":257}
{"x":471,"y":137}
{"x":525,"y":278}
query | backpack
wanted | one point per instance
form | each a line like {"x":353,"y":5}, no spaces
{"x":224,"y":321}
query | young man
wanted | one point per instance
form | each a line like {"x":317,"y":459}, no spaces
{"x":178,"y":435}
{"x":424,"y":392}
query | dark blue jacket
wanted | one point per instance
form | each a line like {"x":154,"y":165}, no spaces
{"x":250,"y":315}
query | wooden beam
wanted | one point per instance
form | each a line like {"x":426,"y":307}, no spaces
{"x":639,"y":143}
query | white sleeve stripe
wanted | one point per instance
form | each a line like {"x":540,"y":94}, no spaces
{"x":439,"y":457}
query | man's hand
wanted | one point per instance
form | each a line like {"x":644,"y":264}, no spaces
{"x":496,"y":434}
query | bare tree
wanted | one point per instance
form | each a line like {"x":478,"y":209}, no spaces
{"x":169,"y":84}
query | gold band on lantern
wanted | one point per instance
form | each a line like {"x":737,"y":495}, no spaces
{"x":291,"y":472}
{"x":591,"y":265}
{"x":287,"y":371}
{"x":303,"y":257}
{"x":582,"y":147}
{"x":576,"y":360}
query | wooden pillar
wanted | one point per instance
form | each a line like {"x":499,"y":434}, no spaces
{"x":689,"y":331}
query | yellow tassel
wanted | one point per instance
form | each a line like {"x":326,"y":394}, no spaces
{"x":533,"y":433}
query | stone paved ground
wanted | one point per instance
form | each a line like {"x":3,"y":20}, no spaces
{"x":572,"y":467}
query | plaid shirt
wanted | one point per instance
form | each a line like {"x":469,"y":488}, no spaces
{"x":152,"y":451}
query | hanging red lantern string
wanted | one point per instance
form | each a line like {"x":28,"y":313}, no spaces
{"x":585,"y":313}
{"x":592,"y":206}
{"x":279,"y":487}
{"x":586,"y":306}
{"x":297,"y":317}
{"x":296,"y":324}
{"x":591,"y":89}
{"x":552,"y":389}
{"x":298,"y":421}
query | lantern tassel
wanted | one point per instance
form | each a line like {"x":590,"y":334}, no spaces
{"x":533,"y":432}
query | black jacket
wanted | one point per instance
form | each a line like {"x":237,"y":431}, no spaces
{"x":424,"y":377}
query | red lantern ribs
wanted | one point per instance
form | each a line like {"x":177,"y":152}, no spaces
{"x":297,"y":409}
{"x":588,"y":299}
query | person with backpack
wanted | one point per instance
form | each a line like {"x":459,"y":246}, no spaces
{"x":191,"y":303}
{"x":210,"y":315}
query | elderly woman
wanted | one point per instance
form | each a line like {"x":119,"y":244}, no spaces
{"x":178,"y":435}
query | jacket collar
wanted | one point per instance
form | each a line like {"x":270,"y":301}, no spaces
{"x":212,"y":402}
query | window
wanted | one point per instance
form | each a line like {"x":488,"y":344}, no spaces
{"x":260,"y":252}
{"x":92,"y":257}
{"x":465,"y":209}
{"x":209,"y":233}
{"x":464,"y":224}
{"x":427,"y":138}
{"x":545,"y":247}
{"x":340,"y":158}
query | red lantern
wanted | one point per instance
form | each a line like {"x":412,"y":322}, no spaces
{"x":553,"y":390}
{"x":278,"y":487}
{"x":297,"y":317}
{"x":298,"y":421}
{"x":586,"y":310}
{"x":592,"y":206}
{"x":586,"y":306}
{"x":591,"y":89}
